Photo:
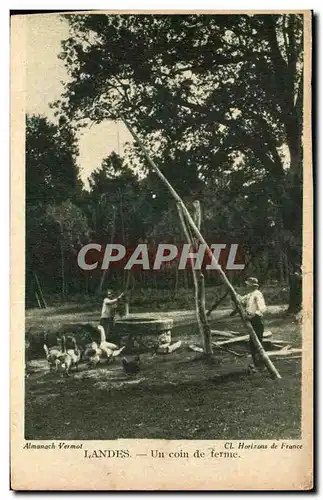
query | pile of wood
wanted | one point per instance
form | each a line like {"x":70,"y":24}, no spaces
{"x":226,"y":340}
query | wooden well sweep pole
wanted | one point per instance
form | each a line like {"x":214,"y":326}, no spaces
{"x":105,"y":271}
{"x":263,"y":355}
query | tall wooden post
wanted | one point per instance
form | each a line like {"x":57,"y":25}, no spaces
{"x":105,"y":271}
{"x":126,"y":294}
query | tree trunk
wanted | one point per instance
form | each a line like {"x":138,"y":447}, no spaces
{"x":176,"y":281}
{"x":281,"y":268}
{"x":286,"y":273}
{"x":294,"y":259}
{"x":263,"y":355}
{"x":40,"y":292}
{"x":293,"y":209}
{"x":38,"y":300}
{"x":295,"y":292}
{"x":122,"y":221}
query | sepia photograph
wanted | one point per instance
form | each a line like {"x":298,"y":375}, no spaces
{"x":165,"y":206}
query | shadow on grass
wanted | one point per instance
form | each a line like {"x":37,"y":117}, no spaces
{"x":177,"y":404}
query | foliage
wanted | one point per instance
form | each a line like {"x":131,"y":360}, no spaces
{"x":71,"y":224}
{"x":210,"y":86}
{"x":53,"y":223}
{"x":51,"y":169}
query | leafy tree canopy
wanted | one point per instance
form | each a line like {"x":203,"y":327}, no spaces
{"x":204,"y":88}
{"x":51,"y":169}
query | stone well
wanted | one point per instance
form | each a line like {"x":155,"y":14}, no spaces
{"x":142,"y":334}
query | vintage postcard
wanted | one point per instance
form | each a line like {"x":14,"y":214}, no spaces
{"x":161,"y":251}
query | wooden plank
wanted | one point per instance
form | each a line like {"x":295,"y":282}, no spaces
{"x":277,"y":341}
{"x":286,"y":347}
{"x":272,"y":345}
{"x":195,"y":348}
{"x":274,"y":342}
{"x":290,"y":353}
{"x":292,"y":357}
{"x":284,"y":357}
{"x":220,"y":333}
{"x":238,"y":354}
{"x":231,"y":334}
{"x":38,"y":300}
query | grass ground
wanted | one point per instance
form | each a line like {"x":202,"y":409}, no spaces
{"x":175,"y":396}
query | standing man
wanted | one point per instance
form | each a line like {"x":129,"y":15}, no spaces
{"x":254,"y":306}
{"x":108,"y":312}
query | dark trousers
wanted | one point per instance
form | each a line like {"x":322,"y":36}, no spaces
{"x":258,"y":326}
{"x":108,"y":324}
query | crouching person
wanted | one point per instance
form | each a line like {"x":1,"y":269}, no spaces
{"x":255,"y":307}
{"x":108,"y":312}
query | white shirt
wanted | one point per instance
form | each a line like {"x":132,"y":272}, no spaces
{"x":254,"y":303}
